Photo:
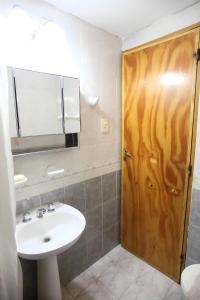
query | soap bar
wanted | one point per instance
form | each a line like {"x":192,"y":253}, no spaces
{"x":20,"y":179}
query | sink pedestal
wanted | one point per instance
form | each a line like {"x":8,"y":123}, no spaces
{"x":48,"y":279}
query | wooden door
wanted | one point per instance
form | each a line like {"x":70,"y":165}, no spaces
{"x":158,"y":104}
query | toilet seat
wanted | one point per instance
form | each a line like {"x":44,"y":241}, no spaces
{"x":190,"y":282}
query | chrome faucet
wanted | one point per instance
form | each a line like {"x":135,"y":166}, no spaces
{"x":41,"y":212}
{"x":26,"y":217}
{"x":51,"y":207}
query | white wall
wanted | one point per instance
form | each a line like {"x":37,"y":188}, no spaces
{"x":80,"y":50}
{"x":163,"y":27}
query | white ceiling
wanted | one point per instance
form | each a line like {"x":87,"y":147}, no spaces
{"x":121,"y":17}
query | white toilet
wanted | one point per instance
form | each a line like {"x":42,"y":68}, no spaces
{"x":190,"y":282}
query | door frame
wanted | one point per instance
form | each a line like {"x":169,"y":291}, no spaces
{"x":176,"y":34}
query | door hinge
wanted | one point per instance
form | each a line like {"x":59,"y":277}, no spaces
{"x":197,"y":54}
{"x":190,"y":169}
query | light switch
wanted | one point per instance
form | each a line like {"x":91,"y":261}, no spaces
{"x":104,"y":126}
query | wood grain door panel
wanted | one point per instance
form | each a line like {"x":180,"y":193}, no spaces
{"x":158,"y":102}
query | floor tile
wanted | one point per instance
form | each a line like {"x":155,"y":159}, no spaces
{"x":79,"y":284}
{"x":136,"y":293}
{"x":155,"y":281}
{"x":96,"y":291}
{"x":116,"y":281}
{"x":174,"y":292}
{"x":119,"y":275}
{"x":101,"y":266}
{"x":116,"y":253}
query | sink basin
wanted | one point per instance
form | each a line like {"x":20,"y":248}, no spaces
{"x":42,"y":239}
{"x":51,"y":235}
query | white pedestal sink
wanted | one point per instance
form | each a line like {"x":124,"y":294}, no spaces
{"x":42,"y":239}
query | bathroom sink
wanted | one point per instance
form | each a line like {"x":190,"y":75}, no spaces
{"x":51,"y":235}
{"x":42,"y":239}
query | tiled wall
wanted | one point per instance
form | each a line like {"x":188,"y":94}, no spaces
{"x":193,"y":243}
{"x":99,"y":200}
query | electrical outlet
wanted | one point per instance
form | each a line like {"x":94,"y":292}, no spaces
{"x":104,"y":126}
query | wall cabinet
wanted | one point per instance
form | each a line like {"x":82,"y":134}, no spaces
{"x":42,"y":104}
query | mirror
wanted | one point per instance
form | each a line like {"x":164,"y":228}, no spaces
{"x":39,"y":104}
{"x":44,"y":110}
{"x":71,"y":104}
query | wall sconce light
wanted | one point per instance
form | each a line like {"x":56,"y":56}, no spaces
{"x":92,"y":101}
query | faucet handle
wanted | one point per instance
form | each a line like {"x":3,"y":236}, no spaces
{"x":51,"y":207}
{"x":26,"y":217}
{"x":41,"y":212}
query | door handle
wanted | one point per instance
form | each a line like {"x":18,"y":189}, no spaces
{"x":127,"y":154}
